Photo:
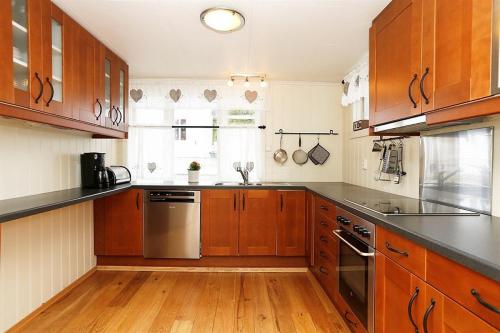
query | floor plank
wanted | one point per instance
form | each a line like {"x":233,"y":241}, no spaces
{"x":192,"y":302}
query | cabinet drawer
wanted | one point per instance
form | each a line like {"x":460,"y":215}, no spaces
{"x":406,"y":253}
{"x":326,"y":274}
{"x":442,"y":271}
{"x":325,"y":223}
{"x":325,"y":207}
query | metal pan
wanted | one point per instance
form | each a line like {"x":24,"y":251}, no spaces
{"x":280,"y":156}
{"x":299,"y":156}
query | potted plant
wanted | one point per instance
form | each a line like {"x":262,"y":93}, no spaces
{"x":194,"y":172}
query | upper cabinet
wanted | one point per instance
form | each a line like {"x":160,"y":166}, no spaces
{"x":54,"y":67}
{"x":427,"y":55}
{"x":395,"y":62}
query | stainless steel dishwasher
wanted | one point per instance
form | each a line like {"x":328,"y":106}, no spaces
{"x":172,"y":224}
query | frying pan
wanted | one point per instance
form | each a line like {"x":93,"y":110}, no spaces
{"x":280,"y":155}
{"x":299,"y":156}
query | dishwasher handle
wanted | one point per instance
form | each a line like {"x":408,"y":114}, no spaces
{"x":174,"y":196}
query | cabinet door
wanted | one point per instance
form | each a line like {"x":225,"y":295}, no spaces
{"x":444,"y":315}
{"x":219,"y":226}
{"x":54,"y":51}
{"x":84,"y":76}
{"x":310,"y":228}
{"x":99,"y":83}
{"x":396,"y":291}
{"x":257,"y":222}
{"x":453,"y":74}
{"x":291,"y":231}
{"x":121,"y":94}
{"x":118,"y":224}
{"x":21,"y":53}
{"x":395,"y":58}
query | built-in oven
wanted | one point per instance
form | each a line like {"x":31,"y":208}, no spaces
{"x":356,"y":267}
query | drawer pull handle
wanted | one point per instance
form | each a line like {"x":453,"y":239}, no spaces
{"x":323,"y":254}
{"x":323,"y":239}
{"x":428,"y":313}
{"x":410,"y":305}
{"x":483,"y":302}
{"x":353,"y":323}
{"x":390,"y":248}
{"x":323,"y":207}
{"x":323,"y":270}
{"x":324,"y":224}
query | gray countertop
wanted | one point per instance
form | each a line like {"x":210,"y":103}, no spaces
{"x":473,"y":241}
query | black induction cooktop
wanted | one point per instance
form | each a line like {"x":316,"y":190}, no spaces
{"x":409,"y":207}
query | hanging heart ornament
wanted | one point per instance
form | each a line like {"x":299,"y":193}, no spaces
{"x":210,"y":95}
{"x":251,"y":96}
{"x":136,"y":94}
{"x":175,"y":94}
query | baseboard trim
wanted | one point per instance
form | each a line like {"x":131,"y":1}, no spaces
{"x":52,"y":301}
{"x":205,"y":269}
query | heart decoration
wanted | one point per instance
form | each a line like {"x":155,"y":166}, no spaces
{"x":136,"y":94}
{"x":175,"y":95}
{"x":251,"y":96}
{"x":210,"y":95}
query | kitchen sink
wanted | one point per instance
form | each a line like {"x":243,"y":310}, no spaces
{"x":250,"y":184}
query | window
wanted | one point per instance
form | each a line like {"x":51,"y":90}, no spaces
{"x":153,"y":142}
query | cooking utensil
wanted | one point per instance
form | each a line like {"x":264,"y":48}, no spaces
{"x":299,"y":156}
{"x":280,"y":155}
{"x":318,"y":154}
{"x":391,"y":160}
{"x":377,"y":147}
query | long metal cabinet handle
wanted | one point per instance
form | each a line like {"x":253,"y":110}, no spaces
{"x":428,"y":313}
{"x":409,"y":91}
{"x":234,"y":201}
{"x":422,"y":89}
{"x":137,"y":201}
{"x":410,"y":305}
{"x":41,"y":88}
{"x":363,"y":254}
{"x":281,"y":201}
{"x":51,"y":91}
{"x":483,"y":302}
{"x":121,"y":116}
{"x":390,"y":248}
{"x":243,"y":201}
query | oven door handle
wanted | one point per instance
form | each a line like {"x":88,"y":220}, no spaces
{"x":363,"y":254}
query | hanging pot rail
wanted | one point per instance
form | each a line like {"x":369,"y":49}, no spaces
{"x":281,"y":132}
{"x":396,"y":138}
{"x":262,"y":127}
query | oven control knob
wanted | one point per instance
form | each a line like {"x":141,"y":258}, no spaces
{"x":339,"y":218}
{"x":366,"y":233}
{"x":345,"y":221}
{"x":356,"y":227}
{"x":361,"y":230}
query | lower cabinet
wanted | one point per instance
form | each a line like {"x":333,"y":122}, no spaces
{"x":118,"y":224}
{"x":253,"y":223}
{"x":220,"y":222}
{"x":291,"y":237}
{"x":405,"y":303}
{"x":257,"y":222}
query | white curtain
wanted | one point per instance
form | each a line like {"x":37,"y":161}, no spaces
{"x":155,"y":154}
{"x":356,"y":85}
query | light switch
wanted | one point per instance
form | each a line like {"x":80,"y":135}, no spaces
{"x":364,"y":164}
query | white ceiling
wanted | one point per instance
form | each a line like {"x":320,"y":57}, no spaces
{"x":303,"y":40}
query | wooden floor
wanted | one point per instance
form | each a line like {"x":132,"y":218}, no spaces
{"x":192,"y":302}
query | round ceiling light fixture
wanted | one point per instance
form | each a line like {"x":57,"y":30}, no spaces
{"x":222,"y":19}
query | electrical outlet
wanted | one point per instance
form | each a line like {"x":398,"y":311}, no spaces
{"x":364,"y":164}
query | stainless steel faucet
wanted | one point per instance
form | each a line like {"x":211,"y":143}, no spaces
{"x":244,"y":172}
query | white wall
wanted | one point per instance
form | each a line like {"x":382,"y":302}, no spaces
{"x":306,"y":107}
{"x":42,"y":254}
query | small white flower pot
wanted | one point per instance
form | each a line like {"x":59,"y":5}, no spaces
{"x":193,"y":176}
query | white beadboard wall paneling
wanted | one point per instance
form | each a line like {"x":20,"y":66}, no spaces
{"x":40,"y":256}
{"x":306,"y":107}
{"x":39,"y":158}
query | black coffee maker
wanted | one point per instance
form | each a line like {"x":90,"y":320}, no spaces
{"x":94,"y":174}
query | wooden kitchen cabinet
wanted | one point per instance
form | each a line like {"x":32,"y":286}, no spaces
{"x":427,"y":55}
{"x":50,"y":71}
{"x":258,"y":213}
{"x":291,"y":223}
{"x":397,"y":291}
{"x":220,"y":222}
{"x":118,"y":224}
{"x":395,"y":62}
{"x":444,"y":315}
{"x":310,"y":210}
